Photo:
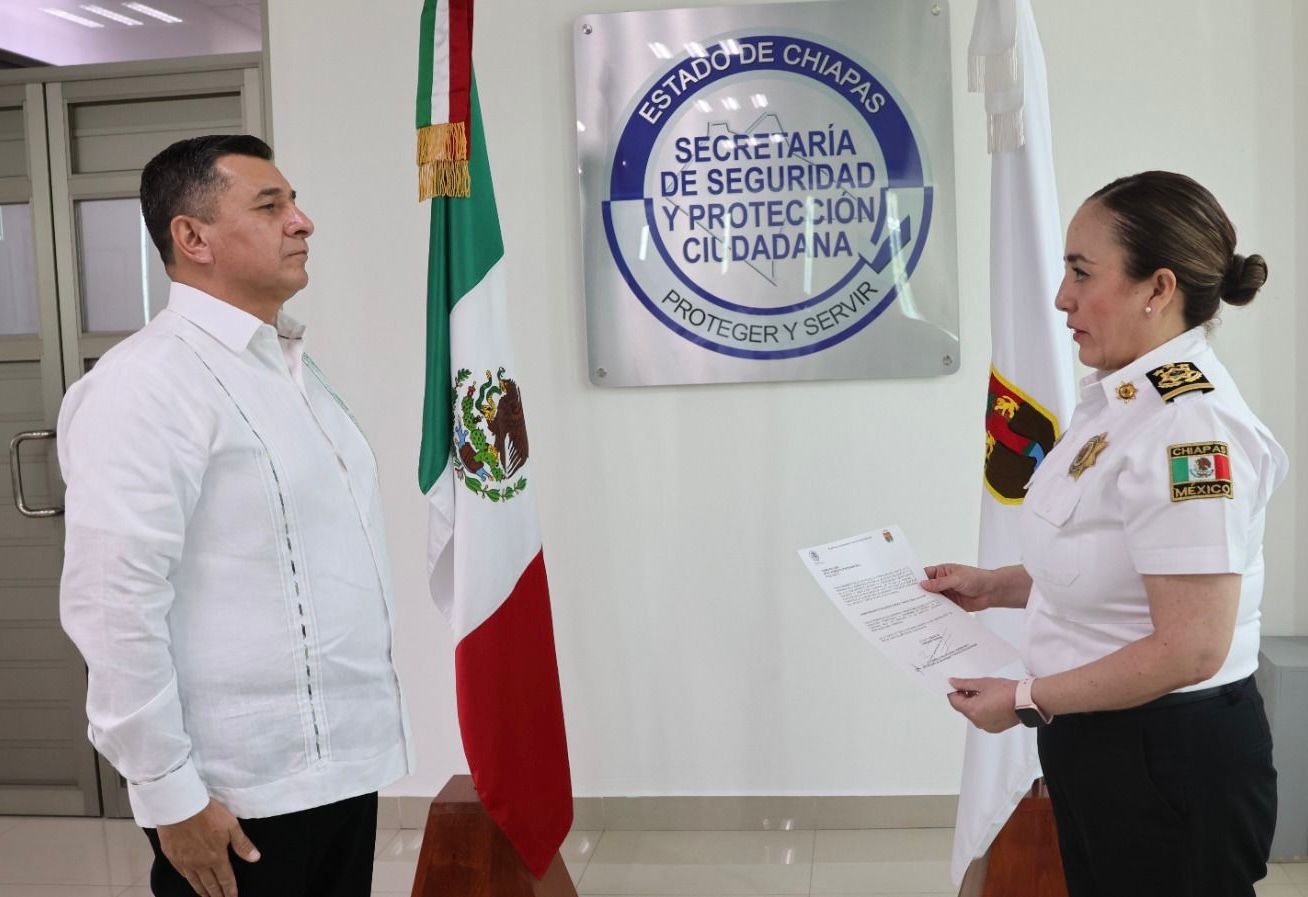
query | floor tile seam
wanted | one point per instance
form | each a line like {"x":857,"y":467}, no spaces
{"x":143,"y":881}
{"x":812,"y":860}
{"x":590,"y":856}
{"x":1301,"y":887}
{"x":47,"y":883}
{"x":7,"y":832}
{"x":593,"y":852}
{"x":700,"y":832}
{"x":379,"y":850}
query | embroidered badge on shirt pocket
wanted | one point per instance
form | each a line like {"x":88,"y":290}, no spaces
{"x":1200,"y":470}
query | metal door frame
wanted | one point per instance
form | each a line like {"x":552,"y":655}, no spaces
{"x":68,"y":189}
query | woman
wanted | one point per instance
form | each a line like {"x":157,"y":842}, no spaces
{"x":1142,"y":566}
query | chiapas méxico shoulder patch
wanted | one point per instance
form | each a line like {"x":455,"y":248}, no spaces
{"x":1200,"y":470}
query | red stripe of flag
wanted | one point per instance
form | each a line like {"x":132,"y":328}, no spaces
{"x":461,"y":62}
{"x":511,"y":716}
{"x":1222,"y":467}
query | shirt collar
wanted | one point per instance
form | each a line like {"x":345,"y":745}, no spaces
{"x":1134,"y":378}
{"x":223,"y":321}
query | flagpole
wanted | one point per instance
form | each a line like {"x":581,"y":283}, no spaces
{"x":1031,"y":363}
{"x":486,"y":560}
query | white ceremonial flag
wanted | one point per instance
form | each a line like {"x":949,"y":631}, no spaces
{"x":1031,"y":394}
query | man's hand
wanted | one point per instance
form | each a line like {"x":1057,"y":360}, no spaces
{"x":987,"y":703}
{"x":197,"y":848}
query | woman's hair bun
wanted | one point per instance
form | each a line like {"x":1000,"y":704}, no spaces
{"x":1243,"y":278}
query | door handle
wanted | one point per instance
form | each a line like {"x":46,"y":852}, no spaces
{"x":16,"y":474}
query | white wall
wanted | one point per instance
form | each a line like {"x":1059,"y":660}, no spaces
{"x":695,"y":656}
{"x":1299,"y":38}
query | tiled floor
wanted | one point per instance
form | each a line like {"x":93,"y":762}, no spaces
{"x":110,"y":858}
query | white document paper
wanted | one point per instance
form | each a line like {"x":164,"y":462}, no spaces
{"x":873,"y":578}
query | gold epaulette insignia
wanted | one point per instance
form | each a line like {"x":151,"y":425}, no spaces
{"x":1178,"y":378}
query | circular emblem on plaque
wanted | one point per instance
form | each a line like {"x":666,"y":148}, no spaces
{"x":768,"y":197}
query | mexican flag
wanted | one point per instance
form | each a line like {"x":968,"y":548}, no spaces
{"x":486,"y":566}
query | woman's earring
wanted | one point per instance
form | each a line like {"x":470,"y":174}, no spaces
{"x":1149,"y":309}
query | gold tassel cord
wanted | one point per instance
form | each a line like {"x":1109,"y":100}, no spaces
{"x":445,"y":142}
{"x":443,"y":179}
{"x":443,"y":160}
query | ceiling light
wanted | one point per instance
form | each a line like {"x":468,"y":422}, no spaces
{"x":152,"y":13}
{"x":111,"y":15}
{"x":71,"y":17}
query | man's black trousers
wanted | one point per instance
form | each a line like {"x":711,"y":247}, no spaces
{"x":323,"y":852}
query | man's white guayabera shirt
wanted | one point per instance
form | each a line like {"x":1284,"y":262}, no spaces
{"x":225,"y":571}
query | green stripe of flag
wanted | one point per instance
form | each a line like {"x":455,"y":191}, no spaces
{"x":426,"y":41}
{"x":1180,"y":470}
{"x":465,"y":244}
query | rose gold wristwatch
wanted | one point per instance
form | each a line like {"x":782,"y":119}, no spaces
{"x":1027,"y":711}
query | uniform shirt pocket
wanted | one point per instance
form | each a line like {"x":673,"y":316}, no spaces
{"x":1050,"y":552}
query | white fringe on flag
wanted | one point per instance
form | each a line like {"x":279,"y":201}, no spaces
{"x":991,"y":72}
{"x":1005,"y":131}
{"x":994,"y":68}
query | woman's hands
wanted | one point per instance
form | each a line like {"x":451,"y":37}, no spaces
{"x":973,"y":589}
{"x":988,"y":704}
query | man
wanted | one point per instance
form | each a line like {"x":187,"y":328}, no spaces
{"x":225,"y":570}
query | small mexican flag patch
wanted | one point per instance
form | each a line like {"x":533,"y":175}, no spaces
{"x":1200,"y":470}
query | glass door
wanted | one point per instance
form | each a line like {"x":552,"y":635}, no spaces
{"x":78,"y":274}
{"x":46,"y":764}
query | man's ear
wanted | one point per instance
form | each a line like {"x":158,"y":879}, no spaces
{"x":190,"y":241}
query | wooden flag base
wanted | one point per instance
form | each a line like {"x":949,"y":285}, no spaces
{"x":464,"y":853}
{"x":1025,"y":860}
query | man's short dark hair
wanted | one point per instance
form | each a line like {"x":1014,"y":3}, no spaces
{"x":182,"y":180}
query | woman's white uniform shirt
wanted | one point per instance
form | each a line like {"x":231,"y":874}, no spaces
{"x":1179,"y":486}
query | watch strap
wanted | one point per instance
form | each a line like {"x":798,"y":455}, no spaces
{"x":1028,"y":712}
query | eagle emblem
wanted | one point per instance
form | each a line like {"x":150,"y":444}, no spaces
{"x":490,"y":435}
